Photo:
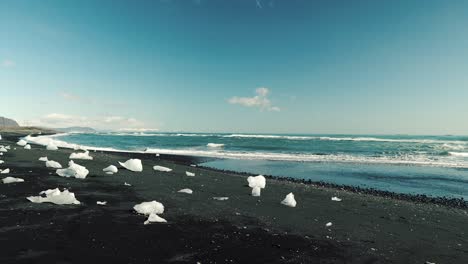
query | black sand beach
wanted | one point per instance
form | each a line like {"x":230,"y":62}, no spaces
{"x":244,"y":229}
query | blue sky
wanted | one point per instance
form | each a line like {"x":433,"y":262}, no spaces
{"x":279,"y":66}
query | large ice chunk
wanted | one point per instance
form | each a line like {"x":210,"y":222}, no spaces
{"x":21,"y":143}
{"x":257,"y":181}
{"x":5,"y":171}
{"x":256,"y":191}
{"x":3,"y":149}
{"x":43,"y":159}
{"x":11,"y":180}
{"x":132,"y":165}
{"x":53,"y":164}
{"x":147,"y":208}
{"x":55,"y":196}
{"x":289,"y":200}
{"x":161,"y":168}
{"x":111,"y":169}
{"x":27,"y":146}
{"x":82,"y":155}
{"x":73,"y":170}
{"x":154,"y":218}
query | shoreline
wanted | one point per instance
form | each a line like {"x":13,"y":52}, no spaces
{"x":243,"y":229}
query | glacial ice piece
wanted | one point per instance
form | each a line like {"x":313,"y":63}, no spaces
{"x":1,"y":161}
{"x":190,"y":174}
{"x":147,"y":208}
{"x":21,"y":143}
{"x":51,"y":146}
{"x":127,"y":184}
{"x":101,"y":203}
{"x":257,"y":181}
{"x":27,"y":146}
{"x":73,"y":170}
{"x":3,"y":149}
{"x":5,"y":171}
{"x":53,"y":164}
{"x":336,"y":199}
{"x":11,"y":180}
{"x":111,"y":169}
{"x":161,"y":168}
{"x":0,"y":137}
{"x":289,"y":200}
{"x":329,"y":224}
{"x":132,"y":165}
{"x":55,"y":196}
{"x":43,"y":159}
{"x":154,"y":218}
{"x":187,"y":191}
{"x":221,"y":198}
{"x":256,"y":191}
{"x":83,"y":155}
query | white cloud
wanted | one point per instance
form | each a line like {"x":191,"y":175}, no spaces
{"x":260,"y":100}
{"x":8,"y":63}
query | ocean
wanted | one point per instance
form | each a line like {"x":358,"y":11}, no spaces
{"x":431,"y":165}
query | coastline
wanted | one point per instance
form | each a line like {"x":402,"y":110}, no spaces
{"x":368,"y":226}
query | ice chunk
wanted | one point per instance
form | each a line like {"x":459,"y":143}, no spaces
{"x":53,"y":164}
{"x":21,"y":143}
{"x":187,"y":191}
{"x":83,"y":155}
{"x":154,"y":218}
{"x":51,"y":146}
{"x":214,"y":145}
{"x":221,"y":198}
{"x":101,"y":203}
{"x":193,"y":165}
{"x":257,"y":181}
{"x":111,"y":169}
{"x":127,"y":184}
{"x":188,"y":173}
{"x":73,"y":170}
{"x":132,"y":165}
{"x":161,"y":168}
{"x":8,"y":147}
{"x":5,"y":171}
{"x":147,"y":208}
{"x":329,"y":224}
{"x":336,"y":199}
{"x":0,"y":137}
{"x":27,"y":146}
{"x":3,"y":149}
{"x":55,"y":196}
{"x":43,"y":159}
{"x":11,"y":180}
{"x":256,"y":191}
{"x":1,"y":161}
{"x":289,"y":200}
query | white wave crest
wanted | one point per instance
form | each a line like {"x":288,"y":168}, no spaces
{"x":459,"y":154}
{"x":214,"y":145}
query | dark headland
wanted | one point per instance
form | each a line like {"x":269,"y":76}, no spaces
{"x":367,"y":226}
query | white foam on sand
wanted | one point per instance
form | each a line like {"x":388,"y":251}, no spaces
{"x":132,"y":165}
{"x":11,"y":180}
{"x":190,"y":174}
{"x":73,"y":170}
{"x":21,"y":143}
{"x":55,"y":196}
{"x":187,"y":191}
{"x":82,"y":155}
{"x":111,"y":169}
{"x":161,"y":168}
{"x":53,"y":164}
{"x":289,"y":200}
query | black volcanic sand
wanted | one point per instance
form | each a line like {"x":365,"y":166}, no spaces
{"x":243,"y":229}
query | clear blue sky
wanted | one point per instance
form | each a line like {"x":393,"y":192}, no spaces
{"x":328,"y":66}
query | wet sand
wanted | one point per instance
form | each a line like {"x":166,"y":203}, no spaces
{"x":244,"y":229}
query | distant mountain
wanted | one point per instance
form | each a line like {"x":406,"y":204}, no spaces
{"x":6,"y":122}
{"x":76,"y":129}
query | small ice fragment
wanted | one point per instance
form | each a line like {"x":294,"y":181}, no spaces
{"x":221,"y":198}
{"x":101,"y":203}
{"x":154,"y":218}
{"x":147,"y":208}
{"x":5,"y":171}
{"x":83,"y":155}
{"x":110,"y":169}
{"x":161,"y":168}
{"x":3,"y":149}
{"x":256,"y":191}
{"x":55,"y":196}
{"x":127,"y":184}
{"x":289,"y":200}
{"x":193,"y":165}
{"x":187,"y":191}
{"x":21,"y":143}
{"x":336,"y":199}
{"x":132,"y":165}
{"x":51,"y":146}
{"x":27,"y":146}
{"x":73,"y":170}
{"x":1,"y":161}
{"x":257,"y":181}
{"x":11,"y":180}
{"x":188,"y":173}
{"x":157,"y":154}
{"x":8,"y":147}
{"x":53,"y":164}
{"x":329,"y":224}
{"x":43,"y":159}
